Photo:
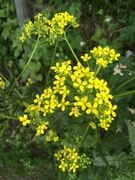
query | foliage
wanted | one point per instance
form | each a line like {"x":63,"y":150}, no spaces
{"x":61,"y":110}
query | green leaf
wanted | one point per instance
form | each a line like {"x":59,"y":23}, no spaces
{"x":103,"y":41}
{"x":3,"y":13}
{"x":38,"y":77}
{"x":100,"y":12}
{"x":96,"y":36}
{"x":98,"y":161}
{"x":22,"y":63}
{"x":5,"y":34}
{"x":131,"y":132}
{"x":132,"y":18}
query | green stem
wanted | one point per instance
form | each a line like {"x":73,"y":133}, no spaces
{"x":48,"y":74}
{"x":4,"y":78}
{"x":18,"y":93}
{"x":2,"y":131}
{"x":97,"y":71}
{"x":9,"y":83}
{"x":125,"y":83}
{"x":31,"y":56}
{"x":85,"y":132}
{"x":65,"y":38}
{"x":8,"y":117}
{"x":123,"y":94}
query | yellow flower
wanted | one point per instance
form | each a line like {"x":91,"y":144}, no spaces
{"x":63,"y":104}
{"x":82,"y":102}
{"x":79,"y":84}
{"x":73,"y":167}
{"x":2,"y":83}
{"x":55,"y":139}
{"x":89,"y":108}
{"x":93,"y":125}
{"x":59,"y":80}
{"x":86,"y":57}
{"x":29,"y":82}
{"x":28,"y":29}
{"x":24,"y":120}
{"x":64,"y":91}
{"x":63,"y":166}
{"x":22,"y":37}
{"x":41,"y":128}
{"x":56,"y":67}
{"x":38,"y":99}
{"x":75,"y":112}
{"x":65,"y":67}
{"x":10,"y":63}
{"x":58,"y":155}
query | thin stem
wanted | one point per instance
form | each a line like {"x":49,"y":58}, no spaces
{"x":2,"y":131}
{"x":123,"y":94}
{"x":71,"y":49}
{"x":8,"y":117}
{"x":18,"y":93}
{"x":31,"y":56}
{"x":48,"y":74}
{"x":4,"y":78}
{"x":85,"y":132}
{"x":97,"y":71}
{"x":9,"y":83}
{"x":125,"y":83}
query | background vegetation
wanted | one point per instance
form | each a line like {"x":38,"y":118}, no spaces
{"x":104,"y":23}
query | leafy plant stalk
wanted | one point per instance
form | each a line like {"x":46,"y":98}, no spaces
{"x":48,"y":74}
{"x":125,"y":83}
{"x":85,"y":132}
{"x":2,"y":131}
{"x":123,"y":94}
{"x":71,"y":49}
{"x":97,"y":71}
{"x":31,"y":56}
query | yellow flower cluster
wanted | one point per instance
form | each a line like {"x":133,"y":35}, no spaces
{"x":33,"y":117}
{"x":52,"y":136}
{"x":104,"y":56}
{"x":92,"y":94}
{"x":2,"y":83}
{"x":81,"y":93}
{"x":48,"y":29}
{"x":70,"y":161}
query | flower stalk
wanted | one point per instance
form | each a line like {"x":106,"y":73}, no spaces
{"x":29,"y":60}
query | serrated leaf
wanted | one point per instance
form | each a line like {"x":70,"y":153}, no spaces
{"x":111,"y":160}
{"x":5,"y":34}
{"x":131,"y":132}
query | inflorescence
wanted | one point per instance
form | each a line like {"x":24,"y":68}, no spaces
{"x":47,"y":29}
{"x":76,"y":90}
{"x":70,"y":160}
